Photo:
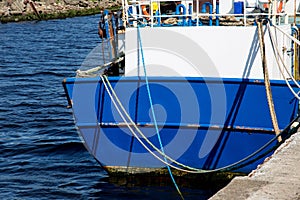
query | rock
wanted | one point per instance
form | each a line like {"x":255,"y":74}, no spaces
{"x":6,"y":12}
{"x":50,"y":2}
{"x":17,"y":6}
{"x":15,"y":12}
{"x":71,"y":2}
{"x":9,"y":2}
{"x":83,"y":4}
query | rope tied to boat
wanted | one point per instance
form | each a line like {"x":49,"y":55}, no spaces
{"x":153,"y":113}
{"x":188,"y":169}
{"x":260,"y":33}
{"x":278,"y":56}
{"x":132,"y":125}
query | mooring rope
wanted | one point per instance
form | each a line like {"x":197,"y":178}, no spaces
{"x":277,"y":54}
{"x":132,"y":123}
{"x":275,"y":46}
{"x":153,"y":113}
{"x":290,"y":37}
{"x":192,"y":170}
{"x":115,"y":98}
{"x":267,"y":79}
{"x":129,"y":125}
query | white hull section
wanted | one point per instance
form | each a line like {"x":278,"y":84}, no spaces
{"x":203,"y":51}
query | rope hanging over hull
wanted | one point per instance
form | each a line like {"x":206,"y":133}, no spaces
{"x":260,"y":33}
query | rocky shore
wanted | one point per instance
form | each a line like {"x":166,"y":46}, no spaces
{"x":26,"y":10}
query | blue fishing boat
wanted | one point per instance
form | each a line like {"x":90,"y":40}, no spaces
{"x":192,"y":86}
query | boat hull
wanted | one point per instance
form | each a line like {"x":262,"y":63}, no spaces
{"x":213,"y":124}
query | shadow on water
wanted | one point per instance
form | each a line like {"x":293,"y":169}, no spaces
{"x":160,"y":187}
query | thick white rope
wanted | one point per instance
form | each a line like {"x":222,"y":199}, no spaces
{"x":140,"y":132}
{"x":277,"y":54}
{"x":281,"y":59}
{"x":144,"y":137}
{"x":194,"y":170}
{"x":286,"y":34}
{"x":260,"y":33}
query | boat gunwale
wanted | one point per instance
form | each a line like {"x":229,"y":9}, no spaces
{"x":253,"y":81}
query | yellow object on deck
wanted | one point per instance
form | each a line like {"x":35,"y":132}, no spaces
{"x":154,"y":6}
{"x":296,"y":61}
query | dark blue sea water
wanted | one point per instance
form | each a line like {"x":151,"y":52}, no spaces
{"x":41,"y":155}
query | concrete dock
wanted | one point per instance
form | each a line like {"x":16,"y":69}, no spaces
{"x":277,"y":178}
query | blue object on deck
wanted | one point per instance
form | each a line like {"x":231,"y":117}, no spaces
{"x":218,"y":12}
{"x":190,"y":13}
{"x":157,"y":15}
{"x":178,"y":7}
{"x":238,"y":7}
{"x":203,"y":10}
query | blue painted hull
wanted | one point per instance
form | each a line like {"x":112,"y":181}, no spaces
{"x":204,"y":123}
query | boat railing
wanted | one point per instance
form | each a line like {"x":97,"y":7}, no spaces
{"x":189,"y":13}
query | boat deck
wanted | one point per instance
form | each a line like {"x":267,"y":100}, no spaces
{"x":277,"y":178}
